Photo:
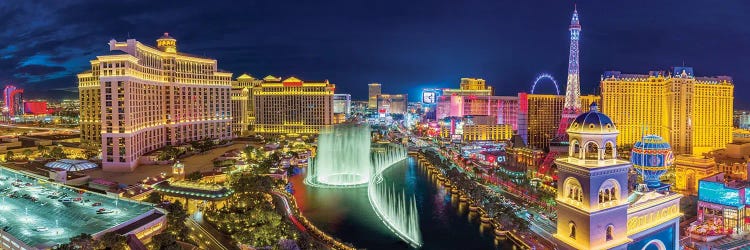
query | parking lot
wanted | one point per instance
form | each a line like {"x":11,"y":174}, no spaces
{"x":40,"y":213}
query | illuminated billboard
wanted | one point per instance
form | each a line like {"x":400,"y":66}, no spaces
{"x":429,"y":97}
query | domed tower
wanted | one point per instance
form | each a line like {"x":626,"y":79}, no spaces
{"x":167,"y":43}
{"x":592,"y":188}
{"x":651,"y":158}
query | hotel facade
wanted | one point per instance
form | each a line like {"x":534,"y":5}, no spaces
{"x":539,"y":117}
{"x":292,"y":106}
{"x":373,"y":91}
{"x":243,"y":103}
{"x":693,"y":114}
{"x":140,"y":98}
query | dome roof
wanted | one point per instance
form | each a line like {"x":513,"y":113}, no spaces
{"x":166,"y":36}
{"x":71,"y":165}
{"x":592,"y":122}
{"x":652,"y":151}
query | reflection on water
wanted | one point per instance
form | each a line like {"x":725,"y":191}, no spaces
{"x":445,"y":223}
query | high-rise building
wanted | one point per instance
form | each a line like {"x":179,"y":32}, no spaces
{"x":243,"y":116}
{"x":504,"y":109}
{"x":392,"y":104}
{"x":693,"y":114}
{"x":342,"y":104}
{"x":13,"y":101}
{"x":572,"y":106}
{"x":595,"y":210}
{"x":471,"y":86}
{"x":373,"y":90}
{"x":481,"y":132}
{"x":292,"y":106}
{"x":142,"y":98}
{"x":743,"y":121}
{"x":539,"y":116}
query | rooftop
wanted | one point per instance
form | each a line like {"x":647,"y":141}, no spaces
{"x":71,"y":165}
{"x":44,"y":214}
{"x":194,"y":190}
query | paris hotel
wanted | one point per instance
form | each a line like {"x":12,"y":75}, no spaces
{"x":140,"y":98}
{"x":694,"y":114}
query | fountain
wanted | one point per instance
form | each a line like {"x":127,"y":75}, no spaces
{"x":345,"y":160}
{"x":342,"y":157}
{"x":397,"y":212}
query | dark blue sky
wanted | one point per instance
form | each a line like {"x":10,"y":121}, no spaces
{"x":405,"y":45}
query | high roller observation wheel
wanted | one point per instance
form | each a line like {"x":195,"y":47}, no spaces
{"x":542,"y":77}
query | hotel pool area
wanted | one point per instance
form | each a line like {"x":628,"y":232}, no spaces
{"x":42,"y":214}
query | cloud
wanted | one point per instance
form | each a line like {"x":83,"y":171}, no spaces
{"x":37,"y":69}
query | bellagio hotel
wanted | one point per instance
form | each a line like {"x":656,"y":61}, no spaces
{"x":139,"y":99}
{"x":694,"y":114}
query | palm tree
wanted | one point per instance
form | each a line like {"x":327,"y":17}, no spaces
{"x":27,"y":153}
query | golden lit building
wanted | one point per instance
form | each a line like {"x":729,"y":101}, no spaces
{"x":292,"y":106}
{"x":495,"y":132}
{"x":89,"y":94}
{"x":373,"y":91}
{"x":152,"y":97}
{"x":471,"y":86}
{"x":243,"y":116}
{"x":694,"y":114}
{"x":539,"y":117}
{"x":689,"y":170}
{"x":392,"y":104}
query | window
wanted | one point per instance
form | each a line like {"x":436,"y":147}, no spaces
{"x":610,"y":232}
{"x":572,"y":226}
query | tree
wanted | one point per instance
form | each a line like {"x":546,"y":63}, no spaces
{"x":168,"y":153}
{"x":89,"y":150}
{"x":194,"y":176}
{"x":154,"y":197}
{"x":165,"y":241}
{"x":57,"y":153}
{"x":112,"y":241}
{"x":176,"y":220}
{"x":27,"y":153}
{"x":9,"y":155}
{"x":42,"y":149}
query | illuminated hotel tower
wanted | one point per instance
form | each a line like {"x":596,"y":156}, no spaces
{"x":572,"y":104}
{"x":140,"y":98}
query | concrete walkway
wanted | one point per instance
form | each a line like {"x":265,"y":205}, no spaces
{"x":199,"y":162}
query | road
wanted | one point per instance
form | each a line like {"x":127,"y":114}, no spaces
{"x":38,"y":128}
{"x":288,"y":211}
{"x":201,"y":236}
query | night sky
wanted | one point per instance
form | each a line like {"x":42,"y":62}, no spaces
{"x":405,"y":45}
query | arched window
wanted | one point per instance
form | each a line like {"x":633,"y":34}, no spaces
{"x":610,"y":232}
{"x":591,"y":151}
{"x":575,"y":149}
{"x":572,"y":226}
{"x":609,"y":193}
{"x":573,"y":190}
{"x":610,"y":151}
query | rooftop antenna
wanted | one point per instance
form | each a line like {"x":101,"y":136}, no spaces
{"x":128,"y":34}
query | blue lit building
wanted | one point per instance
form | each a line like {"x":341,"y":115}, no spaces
{"x":651,"y":158}
{"x":727,"y":202}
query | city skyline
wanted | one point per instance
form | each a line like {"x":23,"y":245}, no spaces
{"x":472,"y":41}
